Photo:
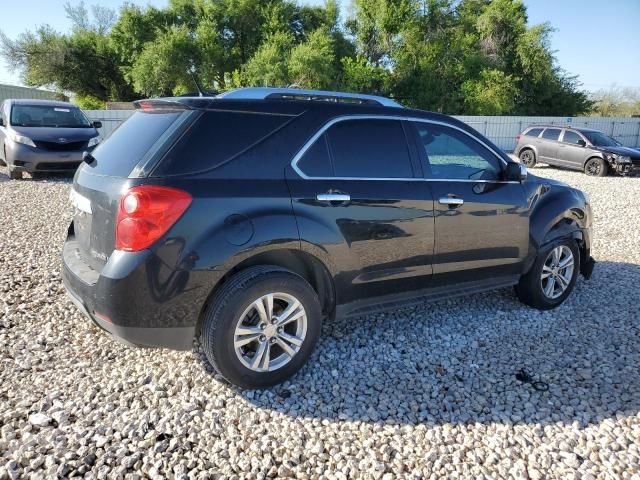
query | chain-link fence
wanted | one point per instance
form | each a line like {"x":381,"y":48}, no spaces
{"x":500,"y":130}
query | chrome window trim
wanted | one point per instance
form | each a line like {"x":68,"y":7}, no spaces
{"x":333,"y":121}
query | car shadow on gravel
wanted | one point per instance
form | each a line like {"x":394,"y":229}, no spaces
{"x":457,"y":361}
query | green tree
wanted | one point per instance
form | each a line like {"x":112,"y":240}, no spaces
{"x":360,"y":76}
{"x":451,"y":56}
{"x":312,"y":63}
{"x":617,"y":101}
{"x":163,"y":68}
{"x":492,"y":94}
{"x":270,"y":65}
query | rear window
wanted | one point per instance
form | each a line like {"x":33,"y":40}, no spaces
{"x":128,"y":144}
{"x":217,"y":137}
{"x":534,"y":132}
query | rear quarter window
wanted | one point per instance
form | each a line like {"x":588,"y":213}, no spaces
{"x":533,"y":132}
{"x":129,"y":143}
{"x":217,"y":137}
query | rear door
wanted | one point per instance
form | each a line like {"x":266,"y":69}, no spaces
{"x":360,"y":200}
{"x":548,"y":146}
{"x":481,"y":221}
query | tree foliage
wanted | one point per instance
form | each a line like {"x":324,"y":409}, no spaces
{"x":452,"y":56}
{"x":617,"y":101}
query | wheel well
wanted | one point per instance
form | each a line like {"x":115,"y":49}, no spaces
{"x":567,"y":228}
{"x":524,"y":149}
{"x":296,"y":261}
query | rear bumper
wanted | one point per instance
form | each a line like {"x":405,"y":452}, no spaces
{"x":116,"y":301}
{"x":28,"y":159}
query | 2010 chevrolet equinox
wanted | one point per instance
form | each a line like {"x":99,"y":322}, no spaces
{"x":249,"y":218}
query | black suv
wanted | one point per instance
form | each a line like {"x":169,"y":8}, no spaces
{"x":248,"y":218}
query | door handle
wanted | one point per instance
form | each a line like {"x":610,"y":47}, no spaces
{"x":451,"y":201}
{"x":333,"y":197}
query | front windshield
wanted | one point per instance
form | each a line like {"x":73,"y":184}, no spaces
{"x":48,"y":116}
{"x":601,"y":140}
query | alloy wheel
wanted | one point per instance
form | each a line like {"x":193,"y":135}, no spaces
{"x":527,"y":158}
{"x":270,"y":332}
{"x":594,"y":168}
{"x":557,"y":272}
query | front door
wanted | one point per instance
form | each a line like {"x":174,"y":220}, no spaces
{"x":571,"y":152}
{"x":362,"y":207}
{"x":481,"y":221}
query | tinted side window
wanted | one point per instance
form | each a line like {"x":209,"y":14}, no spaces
{"x":127,"y":145}
{"x":369,"y":148}
{"x":451,"y":154}
{"x":534,"y":132}
{"x":551,"y":133}
{"x":216,"y":137}
{"x":571,"y":137}
{"x":316,"y":162}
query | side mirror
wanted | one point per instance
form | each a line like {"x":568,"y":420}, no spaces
{"x":582,"y":143}
{"x":97,"y":124}
{"x":516,"y":172}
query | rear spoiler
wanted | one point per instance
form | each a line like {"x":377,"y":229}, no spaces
{"x":160,"y":104}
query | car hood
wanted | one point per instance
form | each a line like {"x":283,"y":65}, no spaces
{"x":54,"y":134}
{"x":628,"y":151}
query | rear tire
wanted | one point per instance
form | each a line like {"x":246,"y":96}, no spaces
{"x":528,"y":158}
{"x":552,"y":277}
{"x":596,"y":167}
{"x":248,"y":345}
{"x":14,"y":174}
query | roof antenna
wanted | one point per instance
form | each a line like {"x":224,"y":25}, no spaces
{"x":192,"y":72}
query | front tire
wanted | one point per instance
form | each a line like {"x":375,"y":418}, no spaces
{"x":552,"y":277}
{"x":261,"y":326}
{"x":596,"y":167}
{"x":528,"y":158}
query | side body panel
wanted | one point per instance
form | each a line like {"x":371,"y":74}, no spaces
{"x":556,"y":211}
{"x":379,"y":243}
{"x":485,"y":237}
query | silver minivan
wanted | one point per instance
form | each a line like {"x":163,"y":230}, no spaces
{"x":577,"y":148}
{"x":44,"y":136}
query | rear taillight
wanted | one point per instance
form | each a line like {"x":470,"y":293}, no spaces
{"x":517,"y":138}
{"x":146,"y":213}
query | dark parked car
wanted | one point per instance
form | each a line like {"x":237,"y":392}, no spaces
{"x":577,"y":148}
{"x":248,"y":218}
{"x":44,"y":136}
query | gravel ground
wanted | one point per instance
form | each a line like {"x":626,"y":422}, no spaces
{"x":424,"y":392}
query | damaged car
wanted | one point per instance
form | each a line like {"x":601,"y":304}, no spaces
{"x":583,"y":149}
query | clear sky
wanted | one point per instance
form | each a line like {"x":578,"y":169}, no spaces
{"x":597,"y":40}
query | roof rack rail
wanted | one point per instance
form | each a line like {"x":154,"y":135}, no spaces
{"x":262,"y":93}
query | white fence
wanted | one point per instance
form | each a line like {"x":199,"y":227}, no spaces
{"x":503,"y":130}
{"x":500,"y":130}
